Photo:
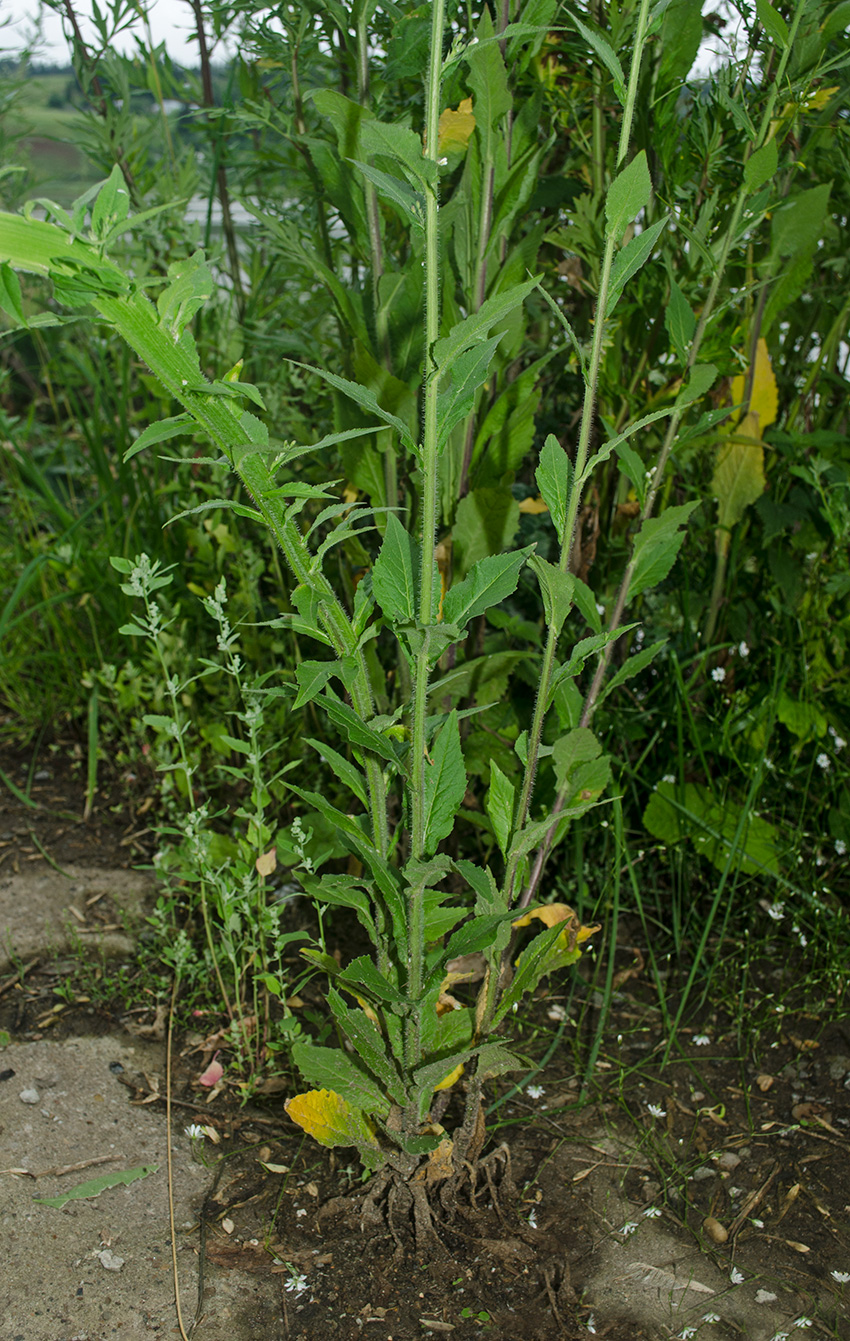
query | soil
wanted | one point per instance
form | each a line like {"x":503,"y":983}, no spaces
{"x":712,"y":1194}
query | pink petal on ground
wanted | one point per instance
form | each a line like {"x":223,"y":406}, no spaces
{"x":213,"y":1074}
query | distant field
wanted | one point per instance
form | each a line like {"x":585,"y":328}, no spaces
{"x":51,"y":139}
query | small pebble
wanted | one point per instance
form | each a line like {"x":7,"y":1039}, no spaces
{"x":728,"y":1161}
{"x":715,"y":1230}
{"x":30,"y":1097}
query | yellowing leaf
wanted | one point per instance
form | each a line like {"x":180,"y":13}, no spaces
{"x":455,"y":128}
{"x":451,"y":1079}
{"x":533,"y":505}
{"x":330,"y":1119}
{"x":551,"y":915}
{"x":764,"y":400}
{"x":738,"y":478}
{"x":267,"y":863}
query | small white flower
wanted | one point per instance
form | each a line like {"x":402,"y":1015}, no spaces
{"x":687,"y":1332}
{"x":839,"y":743}
{"x":759,"y":1224}
{"x":776,"y":911}
{"x":652,"y":1213}
{"x":736,"y":1276}
{"x":556,"y":1013}
{"x":442,"y":162}
{"x":629,"y":1228}
{"x":535,"y":1091}
{"x":656,"y":1110}
{"x":295,"y":1284}
{"x":840,"y":846}
{"x":701,"y":1040}
{"x":743,"y":650}
{"x":711,"y":1317}
{"x":843,"y":1277}
{"x":718,"y":674}
{"x":591,"y":1325}
{"x":822,"y":761}
{"x":804,"y":940}
{"x":532,"y":1218}
{"x":194,"y":1132}
{"x":803,"y":1321}
{"x":300,"y":1213}
{"x":669,"y":777}
{"x":600,"y":609}
{"x":820,"y":861}
{"x":779,"y":1336}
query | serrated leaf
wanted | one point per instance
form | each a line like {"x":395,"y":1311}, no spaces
{"x":554,"y":480}
{"x":486,"y":522}
{"x":556,"y":588}
{"x":395,"y":576}
{"x":212,"y":504}
{"x":632,"y":666}
{"x":633,"y":468}
{"x":586,"y":603}
{"x":628,"y":194}
{"x":656,"y":546}
{"x":488,"y":582}
{"x":94,"y":1187}
{"x":761,"y":166}
{"x":331,"y":1120}
{"x":577,"y":747}
{"x":312,"y":676}
{"x":445,"y":784}
{"x":161,"y":432}
{"x":356,"y":731}
{"x":368,"y":1044}
{"x":607,"y":55}
{"x":613,"y":443}
{"x":468,"y":373}
{"x":333,"y":1069}
{"x":362,"y":975}
{"x":702,"y":379}
{"x":680,"y":321}
{"x":738,"y":478}
{"x":410,"y":202}
{"x":342,"y":767}
{"x":630,"y":259}
{"x":474,"y":328}
{"x":365,"y":398}
{"x":764,"y":397}
{"x":500,"y":806}
{"x":10,"y":294}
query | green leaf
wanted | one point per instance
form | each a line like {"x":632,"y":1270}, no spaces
{"x":474,"y":328}
{"x":607,"y":55}
{"x":468,"y":373}
{"x":445,"y":784}
{"x":761,"y":166}
{"x":368,"y":1044}
{"x":112,"y":204}
{"x":500,"y":806}
{"x":411,"y":203}
{"x":797,"y":224}
{"x":356,"y":731}
{"x":627,"y":195}
{"x":486,"y":522}
{"x":10,"y":294}
{"x":333,"y":1069}
{"x":529,"y":970}
{"x":365,"y":398}
{"x":773,"y":22}
{"x":331,"y":1121}
{"x":680,"y":321}
{"x":554,"y":477}
{"x":488,"y":83}
{"x":344,"y":769}
{"x":630,"y":259}
{"x":362,"y":975}
{"x":675,"y":813}
{"x":213,"y":504}
{"x":633,"y":468}
{"x":613,"y":443}
{"x":312,"y":676}
{"x":656,"y":546}
{"x":577,"y":747}
{"x":588,"y":647}
{"x":191,"y":286}
{"x":738,"y":480}
{"x":586,"y":603}
{"x":395,"y":576}
{"x":488,"y":582}
{"x":632,"y":666}
{"x":556,"y":587}
{"x":702,"y":379}
{"x":161,"y":432}
{"x":94,"y":1187}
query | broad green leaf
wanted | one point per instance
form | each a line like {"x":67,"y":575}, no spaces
{"x":656,"y":546}
{"x":680,"y":321}
{"x":331,"y":1120}
{"x":11,"y":301}
{"x":577,"y":747}
{"x":627,"y":195}
{"x":368,"y":1044}
{"x":702,"y":378}
{"x":675,"y":813}
{"x":607,"y":55}
{"x":488,"y":82}
{"x":632,"y":666}
{"x":554,"y":480}
{"x":797,"y":224}
{"x":401,"y":144}
{"x":556,"y":587}
{"x":344,"y":769}
{"x":630,"y":259}
{"x":773,"y":22}
{"x":474,"y":328}
{"x":366,"y":399}
{"x":362,"y":976}
{"x":500,"y":806}
{"x":468,"y":373}
{"x":470,"y":679}
{"x":486,"y":522}
{"x":190,"y":287}
{"x":761,"y":166}
{"x":633,"y":468}
{"x":161,"y":432}
{"x":395,"y":576}
{"x":488,"y":582}
{"x":312,"y":676}
{"x":112,"y":204}
{"x":586,"y":603}
{"x":409,"y":201}
{"x":588,"y":647}
{"x":445,"y":784}
{"x":331,"y":1068}
{"x":529,"y":970}
{"x":346,"y":824}
{"x":613,"y":443}
{"x":94,"y":1187}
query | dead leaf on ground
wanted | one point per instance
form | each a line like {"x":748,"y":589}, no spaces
{"x":660,"y":1279}
{"x":765,"y":1082}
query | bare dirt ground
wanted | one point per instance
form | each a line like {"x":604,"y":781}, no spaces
{"x":707,"y":1199}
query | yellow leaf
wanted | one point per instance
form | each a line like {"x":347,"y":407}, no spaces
{"x":455,"y":128}
{"x":533,"y":505}
{"x":451,"y":1079}
{"x":330,"y":1119}
{"x":738,"y":478}
{"x":267,"y":863}
{"x":551,"y":915}
{"x":764,"y":401}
